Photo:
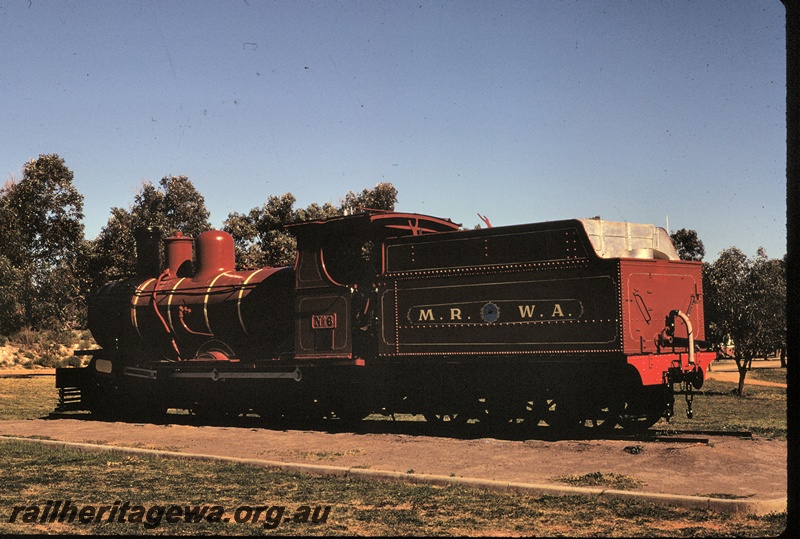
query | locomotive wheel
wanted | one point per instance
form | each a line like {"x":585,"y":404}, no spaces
{"x":351,"y":415}
{"x":103,"y":403}
{"x":150,"y":412}
{"x":110,"y":403}
{"x":208,"y":414}
{"x":349,"y":408}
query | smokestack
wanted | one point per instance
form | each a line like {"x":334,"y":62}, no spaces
{"x":148,"y":251}
{"x":179,"y":249}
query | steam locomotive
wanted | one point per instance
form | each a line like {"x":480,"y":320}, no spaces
{"x":569,"y":323}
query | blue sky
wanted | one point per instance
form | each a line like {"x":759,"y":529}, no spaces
{"x":521,"y":111}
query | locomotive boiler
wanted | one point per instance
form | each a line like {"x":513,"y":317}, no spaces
{"x":564,"y":323}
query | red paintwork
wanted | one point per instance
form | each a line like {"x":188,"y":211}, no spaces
{"x":653,"y":367}
{"x":215,"y":254}
{"x":214,"y":312}
{"x":650,"y":289}
{"x":179,"y":252}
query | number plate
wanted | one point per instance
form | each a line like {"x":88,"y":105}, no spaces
{"x":323,"y":321}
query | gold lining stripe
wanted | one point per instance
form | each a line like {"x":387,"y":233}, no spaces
{"x":241,"y":296}
{"x":205,"y":300}
{"x":135,"y":303}
{"x":169,"y":304}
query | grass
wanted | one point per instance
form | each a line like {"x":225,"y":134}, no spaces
{"x":599,"y":479}
{"x":324,"y":455}
{"x":776,"y":375}
{"x":761,"y":411}
{"x":27,"y":398}
{"x":33,"y":474}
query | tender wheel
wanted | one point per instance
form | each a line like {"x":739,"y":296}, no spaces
{"x":504,"y":413}
{"x":532,"y":413}
{"x":644,"y":410}
{"x":446,"y":420}
{"x":605,"y":418}
{"x":271,"y":416}
{"x":638,"y":423}
{"x":562,"y":416}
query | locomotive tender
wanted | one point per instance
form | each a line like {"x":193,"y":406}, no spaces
{"x":569,"y":323}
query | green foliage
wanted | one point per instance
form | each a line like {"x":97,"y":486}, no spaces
{"x":112,"y":254}
{"x":383,"y":197}
{"x":12,"y":283}
{"x":259,"y":236}
{"x":688,"y":245}
{"x":174,"y":206}
{"x":40,"y":238}
{"x":745,"y":303}
{"x":41,"y":214}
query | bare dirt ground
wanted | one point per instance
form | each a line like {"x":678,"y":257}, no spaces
{"x":725,"y":466}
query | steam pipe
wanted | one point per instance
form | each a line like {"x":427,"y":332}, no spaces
{"x":689,"y":331}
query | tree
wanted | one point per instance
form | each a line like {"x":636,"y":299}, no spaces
{"x":743,"y":300}
{"x":112,"y":253}
{"x":688,"y":245}
{"x":173,"y":206}
{"x":769,"y":281}
{"x":12,"y":312}
{"x":177,"y":206}
{"x":40,"y":237}
{"x":259,"y":236}
{"x":382,"y":197}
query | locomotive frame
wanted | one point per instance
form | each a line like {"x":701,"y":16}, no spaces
{"x":569,"y":323}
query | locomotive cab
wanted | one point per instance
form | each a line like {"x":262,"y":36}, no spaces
{"x":338,"y":263}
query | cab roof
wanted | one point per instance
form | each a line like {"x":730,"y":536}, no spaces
{"x":370,"y":224}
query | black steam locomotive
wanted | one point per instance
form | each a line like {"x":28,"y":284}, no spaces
{"x":565,"y":323}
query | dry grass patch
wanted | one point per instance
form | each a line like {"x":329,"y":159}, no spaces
{"x":599,"y":479}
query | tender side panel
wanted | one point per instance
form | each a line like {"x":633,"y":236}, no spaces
{"x":528,"y":289}
{"x":502,"y":313}
{"x":650,"y":290}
